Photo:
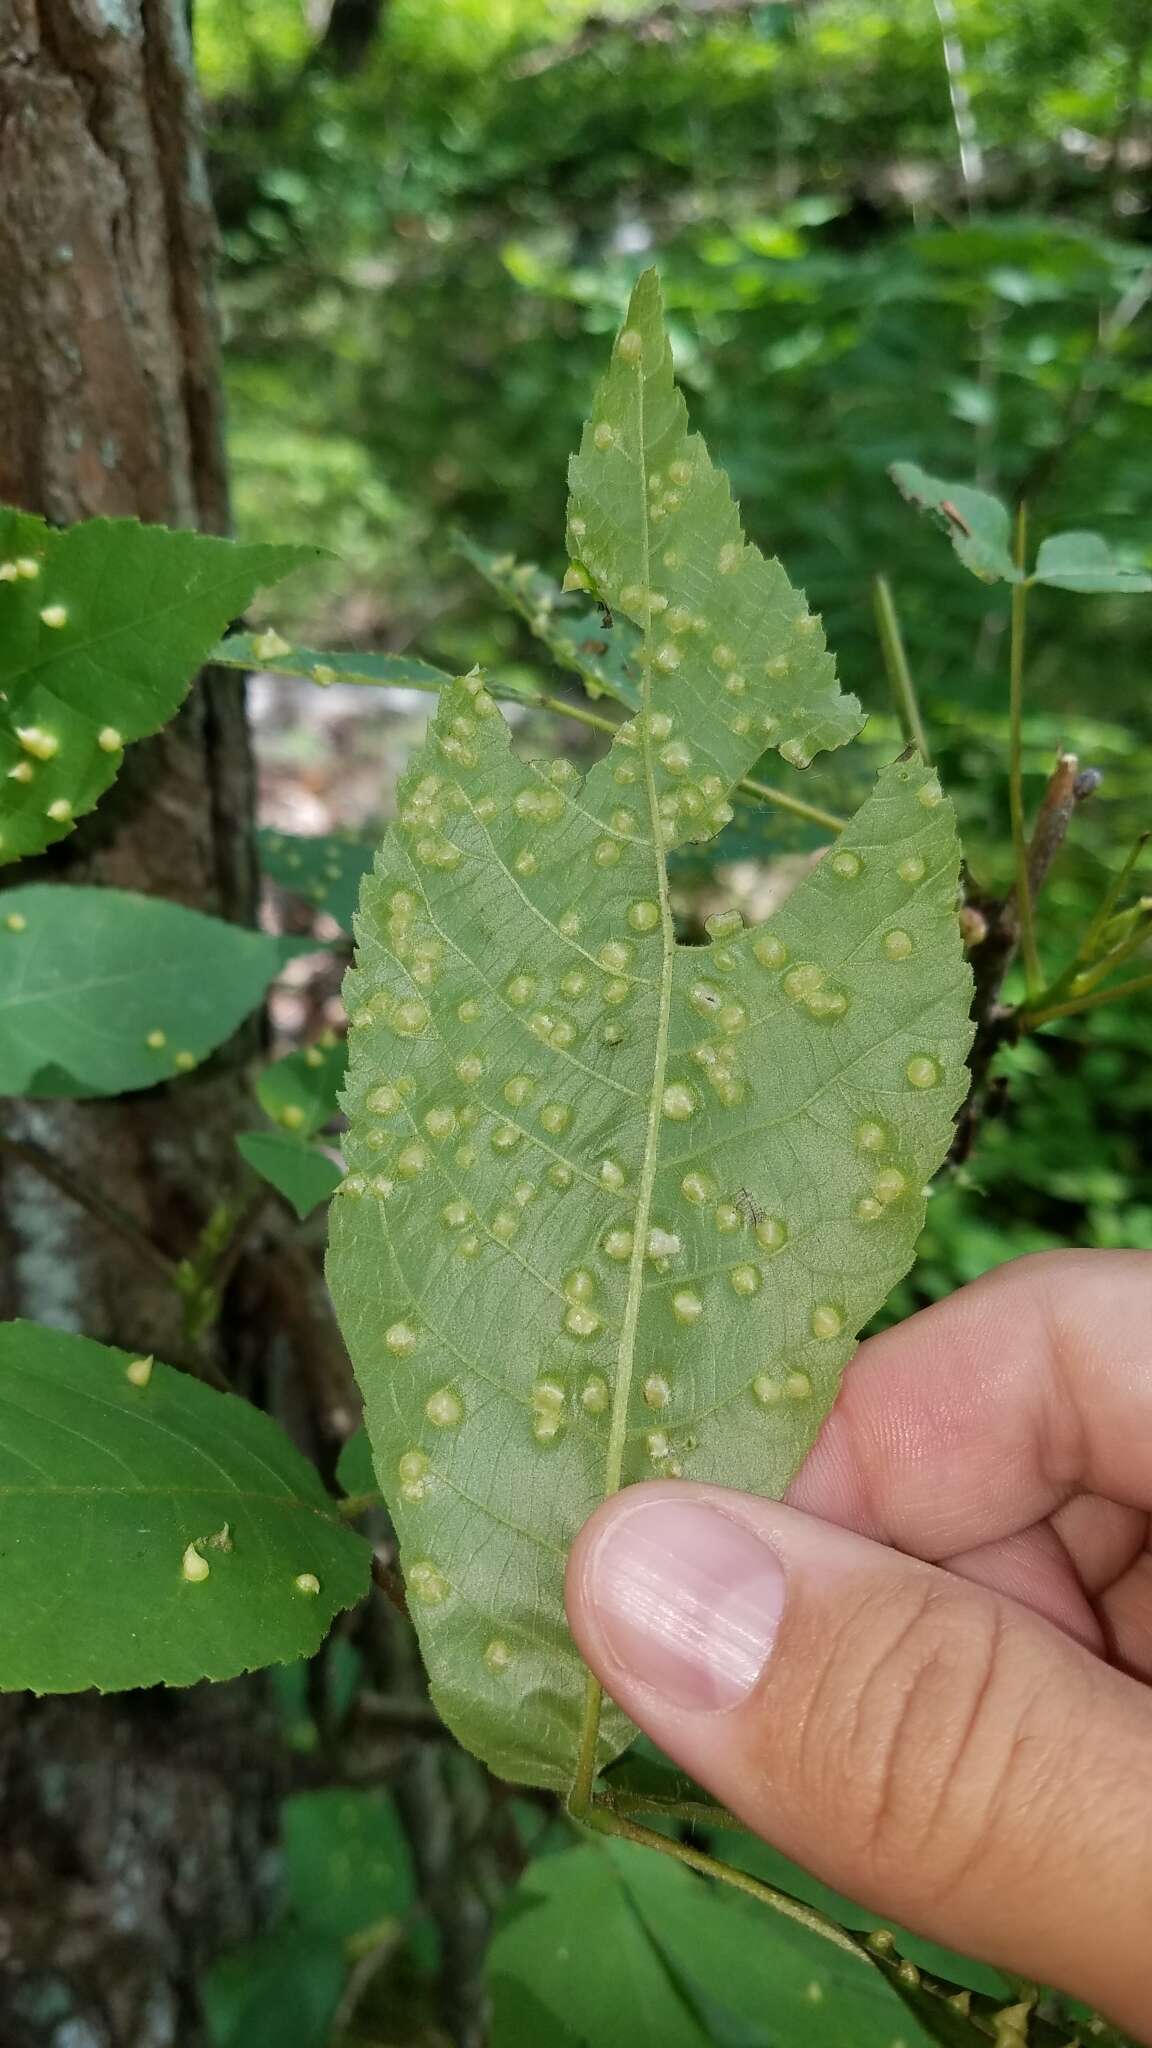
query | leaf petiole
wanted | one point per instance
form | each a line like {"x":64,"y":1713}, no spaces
{"x":606,"y":1821}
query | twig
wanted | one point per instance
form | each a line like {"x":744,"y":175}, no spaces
{"x":699,"y":1812}
{"x":1111,"y":897}
{"x":795,"y":804}
{"x":219,"y":1274}
{"x":997,"y":1023}
{"x":355,"y":1504}
{"x":388,"y":1579}
{"x":1067,"y":789}
{"x":27,"y":1153}
{"x":1015,"y":764}
{"x":1031,"y":1020}
{"x":963,"y":119}
{"x":608,"y":1822}
{"x":896,"y":662}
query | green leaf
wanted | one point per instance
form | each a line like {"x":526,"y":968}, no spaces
{"x":617,"y":1208}
{"x":354,"y":1468}
{"x":572,"y":1962}
{"x":280,"y":1991}
{"x":346,"y":1861}
{"x":755,"y":1976}
{"x":748,"y":1852}
{"x":1084,"y":561}
{"x":102,"y":991}
{"x":300,"y":1091}
{"x":276,"y":657}
{"x":324,"y":867}
{"x":978,"y":525}
{"x":604,"y":656}
{"x":304,"y":1176}
{"x":153,"y":1531}
{"x":691,"y":1966}
{"x":102,"y":628}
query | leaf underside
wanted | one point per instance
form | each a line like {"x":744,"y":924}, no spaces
{"x":103,"y":1486}
{"x":102,"y":627}
{"x":617,"y":1207}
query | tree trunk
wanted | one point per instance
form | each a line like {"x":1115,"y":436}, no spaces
{"x":136,"y":1828}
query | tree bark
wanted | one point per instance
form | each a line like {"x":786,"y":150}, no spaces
{"x":137,"y":1828}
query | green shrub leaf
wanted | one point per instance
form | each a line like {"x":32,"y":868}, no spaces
{"x":275,"y":656}
{"x":102,"y":628}
{"x":347,"y":1865}
{"x":102,"y":991}
{"x":691,"y":1966}
{"x":602,"y":651}
{"x":154,"y":1532}
{"x":1084,"y":561}
{"x":354,"y":1468}
{"x":322,"y":867}
{"x":304,"y":1176}
{"x":978,"y":525}
{"x":618,"y":1207}
{"x":300,"y":1091}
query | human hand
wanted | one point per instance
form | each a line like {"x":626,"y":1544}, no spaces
{"x":925,"y":1678}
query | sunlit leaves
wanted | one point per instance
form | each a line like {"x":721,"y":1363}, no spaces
{"x":153,"y":1531}
{"x":595,"y":1174}
{"x":102,"y":628}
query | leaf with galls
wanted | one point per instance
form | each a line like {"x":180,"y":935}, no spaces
{"x":102,"y":628}
{"x":153,"y":1531}
{"x":616,"y":1207}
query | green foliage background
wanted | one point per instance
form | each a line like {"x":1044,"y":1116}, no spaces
{"x":426,"y":254}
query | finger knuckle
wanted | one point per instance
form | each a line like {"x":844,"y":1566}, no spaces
{"x":906,"y":1736}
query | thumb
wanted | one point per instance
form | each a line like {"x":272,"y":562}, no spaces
{"x":916,"y":1741}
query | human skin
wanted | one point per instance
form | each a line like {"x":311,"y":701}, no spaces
{"x":926,"y":1675}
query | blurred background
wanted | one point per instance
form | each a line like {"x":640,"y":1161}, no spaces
{"x":888,"y":229}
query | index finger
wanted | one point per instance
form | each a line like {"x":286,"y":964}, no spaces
{"x":983,"y":1414}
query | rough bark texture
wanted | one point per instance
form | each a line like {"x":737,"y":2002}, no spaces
{"x":136,"y":1829}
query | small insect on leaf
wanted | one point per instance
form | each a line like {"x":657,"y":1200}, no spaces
{"x":598,"y":1180}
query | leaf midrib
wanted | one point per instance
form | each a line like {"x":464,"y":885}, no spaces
{"x":625,"y":1356}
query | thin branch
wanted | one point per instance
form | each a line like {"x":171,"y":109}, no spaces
{"x":794,"y":804}
{"x":115,"y":1219}
{"x":997,"y":1023}
{"x":355,"y":1504}
{"x":1111,"y":897}
{"x":607,"y":1822}
{"x":1015,"y":764}
{"x":700,"y":1812}
{"x":1067,"y":789}
{"x":1031,"y":1020}
{"x":964,"y":120}
{"x":896,"y":662}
